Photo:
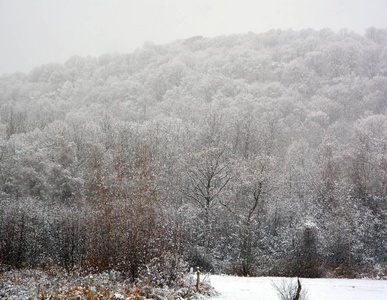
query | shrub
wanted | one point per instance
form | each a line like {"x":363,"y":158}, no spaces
{"x":290,"y":290}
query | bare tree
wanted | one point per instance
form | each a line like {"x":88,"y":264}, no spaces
{"x":255,"y":180}
{"x":208,"y":173}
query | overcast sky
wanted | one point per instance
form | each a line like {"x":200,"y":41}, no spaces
{"x":36,"y":32}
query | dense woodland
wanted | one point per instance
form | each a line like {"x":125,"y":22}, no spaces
{"x":254,"y":154}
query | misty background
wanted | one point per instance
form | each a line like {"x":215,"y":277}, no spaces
{"x":42,"y":31}
{"x":147,"y":139}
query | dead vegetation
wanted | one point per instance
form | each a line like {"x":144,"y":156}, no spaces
{"x":58,"y":284}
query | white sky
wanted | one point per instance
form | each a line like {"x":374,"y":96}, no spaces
{"x":35,"y":32}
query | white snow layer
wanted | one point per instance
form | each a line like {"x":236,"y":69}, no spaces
{"x":261,"y":288}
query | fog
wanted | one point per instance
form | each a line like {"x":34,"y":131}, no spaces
{"x":42,"y":31}
{"x":261,"y":153}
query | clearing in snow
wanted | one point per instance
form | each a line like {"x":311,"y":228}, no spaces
{"x":254,"y":288}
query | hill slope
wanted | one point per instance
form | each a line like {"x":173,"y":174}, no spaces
{"x":249,"y":154}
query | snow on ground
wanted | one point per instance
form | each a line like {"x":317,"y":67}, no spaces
{"x":260,"y":288}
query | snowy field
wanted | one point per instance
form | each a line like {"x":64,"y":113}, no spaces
{"x":260,"y":288}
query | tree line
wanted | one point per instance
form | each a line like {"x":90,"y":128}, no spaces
{"x":255,"y":154}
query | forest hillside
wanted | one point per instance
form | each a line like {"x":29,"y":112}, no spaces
{"x":253,"y":154}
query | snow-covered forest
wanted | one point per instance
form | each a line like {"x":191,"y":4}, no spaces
{"x":254,"y":154}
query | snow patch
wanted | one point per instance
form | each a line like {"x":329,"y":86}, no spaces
{"x":252,"y":288}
